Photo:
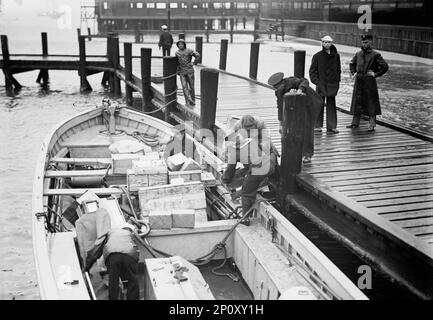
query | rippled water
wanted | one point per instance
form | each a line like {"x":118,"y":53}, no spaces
{"x":406,"y":93}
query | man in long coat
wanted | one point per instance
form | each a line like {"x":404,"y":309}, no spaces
{"x":325,"y":73}
{"x":366,"y":65}
{"x":284,"y":85}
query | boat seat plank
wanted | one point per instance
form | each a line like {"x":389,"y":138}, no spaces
{"x":75,"y":173}
{"x":80,"y":191}
{"x":82,"y":161}
{"x":66,"y":266}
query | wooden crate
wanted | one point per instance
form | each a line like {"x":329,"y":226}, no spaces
{"x":190,"y":195}
{"x":187,"y":176}
{"x":183,"y":218}
{"x":123,"y":161}
{"x":159,"y":219}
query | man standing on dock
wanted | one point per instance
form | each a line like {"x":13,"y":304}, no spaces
{"x":165,"y":41}
{"x":325,"y":72}
{"x":185,"y":70}
{"x":366,"y":65}
{"x":300,"y":86}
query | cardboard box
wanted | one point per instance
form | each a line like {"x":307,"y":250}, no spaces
{"x":123,"y":161}
{"x":183,"y":218}
{"x":160,"y":219}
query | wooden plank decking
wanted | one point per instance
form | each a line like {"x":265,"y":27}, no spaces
{"x":387,"y":174}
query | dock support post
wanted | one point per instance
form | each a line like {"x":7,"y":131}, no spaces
{"x":182,"y":36}
{"x":231,"y":30}
{"x":199,"y":47}
{"x":254,"y":59}
{"x":84,"y":84}
{"x":127,"y":52}
{"x":256,"y":27}
{"x":223,"y":54}
{"x":209,"y":94}
{"x":208,"y":26}
{"x":292,"y":141}
{"x":299,"y":69}
{"x":106,"y":78}
{"x":116,"y":62}
{"x":89,"y":34}
{"x":169,"y":72}
{"x":43,"y":73}
{"x":6,"y":65}
{"x":146,"y":94}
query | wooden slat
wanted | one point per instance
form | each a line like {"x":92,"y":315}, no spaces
{"x":392,"y":194}
{"x":78,"y":192}
{"x":408,"y":215}
{"x":420,"y":230}
{"x":75,"y":173}
{"x":415,"y":222}
{"x":403,"y":207}
{"x":81,"y":160}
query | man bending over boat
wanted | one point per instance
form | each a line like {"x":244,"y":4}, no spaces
{"x":249,"y":142}
{"x":121,"y":257}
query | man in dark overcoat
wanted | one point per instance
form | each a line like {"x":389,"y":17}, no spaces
{"x":301,"y":85}
{"x":366,"y":65}
{"x":325,"y":73}
{"x":165,"y":41}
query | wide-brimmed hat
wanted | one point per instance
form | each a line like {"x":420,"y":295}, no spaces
{"x":275,"y":78}
{"x":164,"y":27}
{"x":327,"y":38}
{"x":181,"y":40}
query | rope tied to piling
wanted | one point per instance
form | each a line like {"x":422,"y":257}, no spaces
{"x":168,"y":77}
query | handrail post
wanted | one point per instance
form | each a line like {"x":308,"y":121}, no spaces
{"x":82,"y":71}
{"x":169,"y":72}
{"x":208,"y":93}
{"x":254,"y":59}
{"x":299,"y":69}
{"x":223,"y":54}
{"x":199,"y":47}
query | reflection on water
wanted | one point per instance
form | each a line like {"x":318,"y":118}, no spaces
{"x":406,"y":95}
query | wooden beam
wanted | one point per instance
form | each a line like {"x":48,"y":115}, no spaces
{"x":101,"y":161}
{"x":146,"y":67}
{"x":127,"y":49}
{"x":75,"y":173}
{"x":79,"y":192}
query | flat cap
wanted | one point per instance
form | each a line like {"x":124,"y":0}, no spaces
{"x":275,"y":78}
{"x":181,"y":41}
{"x":164,"y":27}
{"x":367,"y":37}
{"x":327,"y":38}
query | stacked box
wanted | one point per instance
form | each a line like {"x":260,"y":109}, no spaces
{"x":192,"y":175}
{"x":123,"y":161}
{"x":159,"y":219}
{"x":190,"y":164}
{"x":183,"y":218}
{"x":146,"y":173}
{"x":208,"y":179}
{"x":190,"y":195}
{"x":175,"y":162}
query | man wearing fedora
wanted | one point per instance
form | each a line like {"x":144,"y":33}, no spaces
{"x":325,"y":73}
{"x":185,"y":70}
{"x":300,"y":86}
{"x":366,"y":65}
{"x":165,"y":41}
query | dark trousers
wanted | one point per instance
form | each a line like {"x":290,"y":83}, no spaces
{"x":166,"y":51}
{"x":331,"y":114}
{"x":187,"y":81}
{"x":122,"y":266}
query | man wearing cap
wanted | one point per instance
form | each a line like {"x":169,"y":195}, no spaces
{"x":250,"y":143}
{"x":185,"y":70}
{"x":121,"y":257}
{"x":299,"y":86}
{"x":165,"y":41}
{"x":366,"y":65}
{"x":325,"y":72}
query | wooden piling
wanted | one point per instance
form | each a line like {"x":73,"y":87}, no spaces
{"x":127,"y":52}
{"x":223,"y":54}
{"x":299,"y":68}
{"x":116,"y":63}
{"x":254,"y":59}
{"x":231,"y":30}
{"x":208,"y":26}
{"x":84,"y":84}
{"x":169,"y":72}
{"x":106,"y":75}
{"x":146,"y":60}
{"x":256,"y":27}
{"x":6,"y":65}
{"x":292,"y":141}
{"x":78,"y":32}
{"x":89,"y":34}
{"x":182,"y":36}
{"x":208,"y":94}
{"x":43,"y":73}
{"x":199,"y":47}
